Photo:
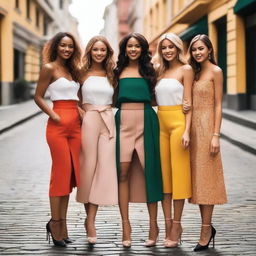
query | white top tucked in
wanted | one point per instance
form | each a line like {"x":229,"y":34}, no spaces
{"x":169,"y":92}
{"x":96,"y":90}
{"x":63,"y":89}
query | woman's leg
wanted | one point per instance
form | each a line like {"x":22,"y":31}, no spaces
{"x":123,"y":199}
{"x":181,"y":178}
{"x":90,"y":222}
{"x":153,"y":228}
{"x":206,"y":230}
{"x":63,"y":216}
{"x":165,"y":155}
{"x":176,"y":229}
{"x":167,"y":209}
{"x":55,"y":225}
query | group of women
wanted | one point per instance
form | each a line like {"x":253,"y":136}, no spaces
{"x":138,"y":155}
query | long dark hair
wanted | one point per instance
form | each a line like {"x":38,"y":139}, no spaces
{"x":50,"y":53}
{"x":194,"y":64}
{"x":146,"y":69}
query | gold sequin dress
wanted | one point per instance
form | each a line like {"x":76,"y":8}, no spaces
{"x":208,"y":185}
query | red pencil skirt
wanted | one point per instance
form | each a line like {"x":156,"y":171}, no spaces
{"x":64,"y":140}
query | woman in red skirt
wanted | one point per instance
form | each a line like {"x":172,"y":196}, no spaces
{"x":59,"y":76}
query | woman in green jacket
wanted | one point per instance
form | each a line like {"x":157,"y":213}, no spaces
{"x":138,"y":157}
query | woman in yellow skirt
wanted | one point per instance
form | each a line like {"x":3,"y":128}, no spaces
{"x":174,"y":85}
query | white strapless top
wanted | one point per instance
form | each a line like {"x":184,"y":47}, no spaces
{"x":169,"y":92}
{"x":96,"y":90}
{"x":63,"y":89}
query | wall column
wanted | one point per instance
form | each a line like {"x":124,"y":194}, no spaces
{"x":236,"y":70}
{"x":6,"y":60}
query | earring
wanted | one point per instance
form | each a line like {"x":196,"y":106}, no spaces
{"x":209,"y":56}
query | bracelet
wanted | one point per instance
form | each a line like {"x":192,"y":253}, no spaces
{"x":216,"y":134}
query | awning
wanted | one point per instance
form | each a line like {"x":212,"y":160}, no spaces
{"x":243,"y":7}
{"x":200,"y":27}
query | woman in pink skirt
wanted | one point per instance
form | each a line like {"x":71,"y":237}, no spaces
{"x":98,"y":162}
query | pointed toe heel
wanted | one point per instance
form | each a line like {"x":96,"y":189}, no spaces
{"x":200,"y":247}
{"x":49,"y":233}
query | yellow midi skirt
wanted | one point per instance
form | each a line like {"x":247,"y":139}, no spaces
{"x":175,"y":161}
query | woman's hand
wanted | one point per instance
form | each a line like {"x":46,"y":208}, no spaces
{"x":185,"y":139}
{"x":55,"y":117}
{"x":186,"y":106}
{"x":81,"y":113}
{"x":215,"y":145}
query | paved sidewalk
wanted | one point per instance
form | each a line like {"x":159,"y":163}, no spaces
{"x":24,"y":206}
{"x":13,"y":115}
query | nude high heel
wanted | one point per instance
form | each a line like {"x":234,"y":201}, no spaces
{"x":173,"y":244}
{"x":151,"y":242}
{"x":166,"y":240}
{"x":90,"y":239}
{"x":126,"y":243}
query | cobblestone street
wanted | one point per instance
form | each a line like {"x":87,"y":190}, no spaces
{"x":24,"y":206}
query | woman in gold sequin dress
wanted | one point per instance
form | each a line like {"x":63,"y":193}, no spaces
{"x":208,"y":186}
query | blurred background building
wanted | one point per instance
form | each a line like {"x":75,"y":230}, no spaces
{"x":122,"y":17}
{"x":230,"y":24}
{"x":24,"y":27}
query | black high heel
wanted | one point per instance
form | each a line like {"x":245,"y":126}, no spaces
{"x":200,"y":247}
{"x":60,"y":243}
{"x":66,"y":239}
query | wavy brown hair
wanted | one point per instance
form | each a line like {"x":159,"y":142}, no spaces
{"x":161,"y":65}
{"x":194,"y":64}
{"x":50,"y":53}
{"x":108,"y":63}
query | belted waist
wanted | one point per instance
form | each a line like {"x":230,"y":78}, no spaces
{"x":106,"y":114}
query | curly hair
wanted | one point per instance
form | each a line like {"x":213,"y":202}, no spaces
{"x":146,"y":69}
{"x":108,"y":63}
{"x":161,"y":64}
{"x":50,"y":53}
{"x":194,"y":64}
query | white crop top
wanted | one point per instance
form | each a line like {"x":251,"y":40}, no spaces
{"x":169,"y":92}
{"x":96,"y":90}
{"x":63,"y":89}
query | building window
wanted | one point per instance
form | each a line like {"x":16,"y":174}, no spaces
{"x":37,"y":17}
{"x":19,"y":64}
{"x":61,"y":4}
{"x":221,"y":25}
{"x":49,"y":4}
{"x":45,"y":26}
{"x":17,"y":4}
{"x":28,"y":8}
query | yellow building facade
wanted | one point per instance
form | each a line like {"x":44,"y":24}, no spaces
{"x":231,"y":26}
{"x":23,"y":24}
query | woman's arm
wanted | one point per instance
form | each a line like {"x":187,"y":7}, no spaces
{"x":188,"y":79}
{"x":187,"y":96}
{"x":45,"y":78}
{"x":218,"y":91}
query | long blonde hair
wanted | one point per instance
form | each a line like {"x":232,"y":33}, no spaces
{"x":108,"y":64}
{"x":160,"y":63}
